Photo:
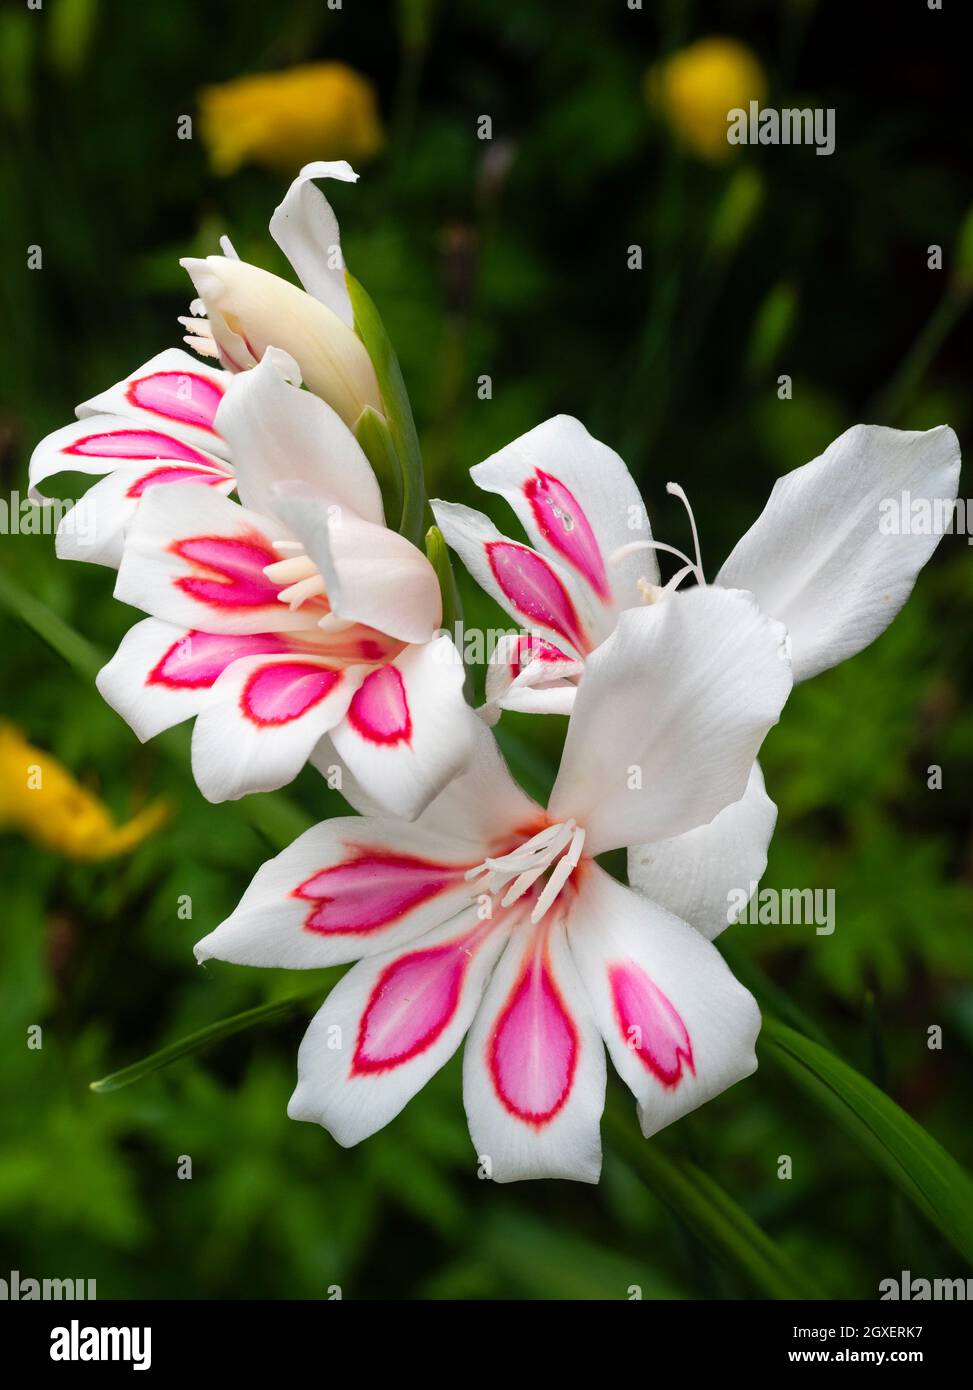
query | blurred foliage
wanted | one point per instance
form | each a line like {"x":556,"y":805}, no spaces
{"x":508,"y":259}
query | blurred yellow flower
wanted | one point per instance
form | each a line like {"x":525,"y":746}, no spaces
{"x":285,"y":119}
{"x":40,"y":799}
{"x":696,"y":87}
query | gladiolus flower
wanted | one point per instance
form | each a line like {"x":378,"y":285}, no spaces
{"x":248,"y":310}
{"x":489,"y":914}
{"x":294,"y":625}
{"x":155,"y":427}
{"x":40,"y":798}
{"x":816,"y":560}
{"x":283,"y":119}
{"x":158,"y":425}
{"x":699,"y":85}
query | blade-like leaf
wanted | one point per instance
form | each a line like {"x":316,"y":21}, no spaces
{"x":395,"y":398}
{"x":205,"y":1037}
{"x":915,"y":1162}
{"x":711,"y":1214}
{"x":76,"y":650}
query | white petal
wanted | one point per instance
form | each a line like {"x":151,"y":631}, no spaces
{"x":669,"y":717}
{"x":306,"y":230}
{"x":529,"y":676}
{"x":262,"y":719}
{"x":173,"y":393}
{"x":483,"y":805}
{"x":162,"y":674}
{"x":153,"y":680}
{"x":196,"y":559}
{"x":373,"y":575}
{"x":409,"y":730}
{"x":94,"y":529}
{"x":389,"y":1025}
{"x":101,"y":443}
{"x":280,"y":433}
{"x":537,"y":592}
{"x":693,"y":875}
{"x":578,"y":504}
{"x":347,"y":888}
{"x":679,"y":1027}
{"x":817,"y":558}
{"x":534,"y":1066}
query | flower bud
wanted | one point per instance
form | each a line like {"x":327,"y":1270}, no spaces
{"x":250,"y":310}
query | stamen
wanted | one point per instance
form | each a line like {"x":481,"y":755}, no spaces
{"x":289,"y":571}
{"x":623,"y":551}
{"x":562,"y":872}
{"x":677,"y":579}
{"x":530,"y":876}
{"x":674,"y":490}
{"x":200,"y":328}
{"x":299,"y":593}
{"x":298,"y":575}
{"x":525,"y":865}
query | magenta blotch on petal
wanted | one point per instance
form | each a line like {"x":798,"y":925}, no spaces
{"x":565,"y":527}
{"x":533,"y":1050}
{"x":281,"y":692}
{"x":650,"y":1024}
{"x":534,"y":589}
{"x":184,"y":396}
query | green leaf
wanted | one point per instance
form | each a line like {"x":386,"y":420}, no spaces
{"x":711,"y":1214}
{"x":76,"y":650}
{"x":916,"y":1163}
{"x":395,"y":398}
{"x":195,"y":1042}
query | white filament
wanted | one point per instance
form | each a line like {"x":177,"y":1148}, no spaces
{"x":652,"y":592}
{"x":674,"y":490}
{"x":522,"y":867}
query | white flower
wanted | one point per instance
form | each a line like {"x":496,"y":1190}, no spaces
{"x":489,"y":914}
{"x":157,"y":426}
{"x":816,"y":560}
{"x":247,"y":309}
{"x":295,"y":625}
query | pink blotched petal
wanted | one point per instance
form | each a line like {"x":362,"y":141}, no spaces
{"x":197,"y":560}
{"x":539,"y":593}
{"x":161,"y":674}
{"x":678,"y":1026}
{"x":579,"y":505}
{"x":534,"y":1066}
{"x":263,"y":717}
{"x":173,"y":392}
{"x":408,"y":731}
{"x":348,"y":888}
{"x":389,"y":1025}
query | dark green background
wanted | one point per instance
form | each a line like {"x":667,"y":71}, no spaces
{"x":522,"y":277}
